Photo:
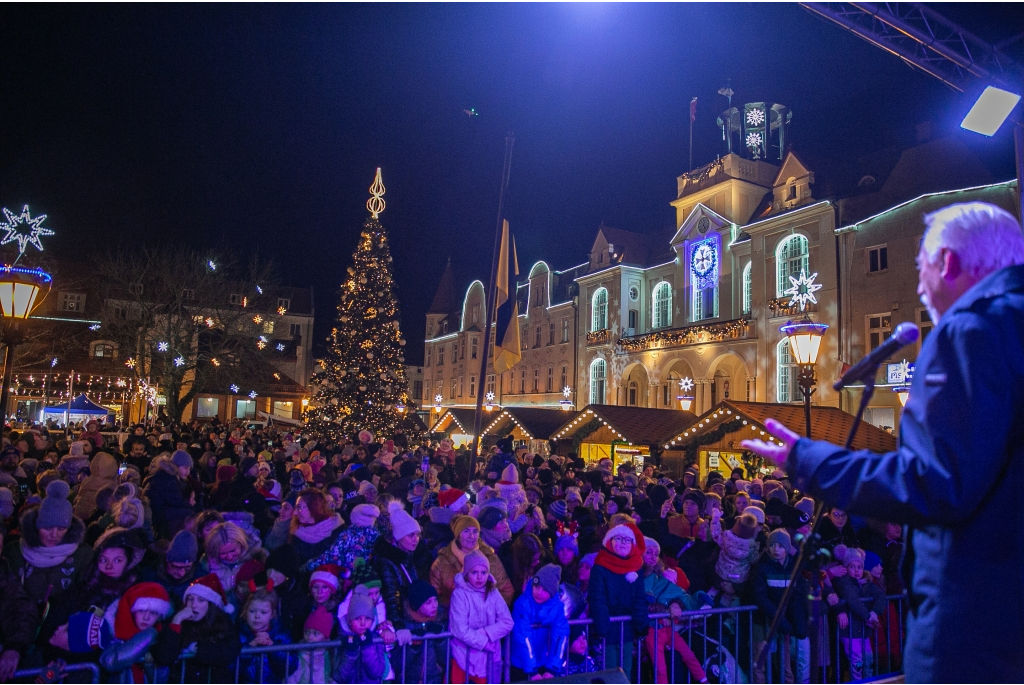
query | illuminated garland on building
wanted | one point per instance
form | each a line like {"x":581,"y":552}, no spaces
{"x":692,"y":335}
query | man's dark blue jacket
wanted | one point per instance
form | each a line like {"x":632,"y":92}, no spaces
{"x":957,"y":482}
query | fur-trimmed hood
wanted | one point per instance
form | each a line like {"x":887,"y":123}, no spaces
{"x":131,"y":539}
{"x":30,"y":534}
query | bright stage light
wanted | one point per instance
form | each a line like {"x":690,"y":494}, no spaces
{"x":990,"y":111}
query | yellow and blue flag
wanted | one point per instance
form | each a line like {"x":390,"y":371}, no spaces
{"x":507,"y":350}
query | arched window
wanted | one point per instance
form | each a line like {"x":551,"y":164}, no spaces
{"x":597,"y":380}
{"x":790,"y":260}
{"x":661,"y":316}
{"x":599,"y":310}
{"x":747,"y":289}
{"x":631,"y":395}
{"x":787,"y":388}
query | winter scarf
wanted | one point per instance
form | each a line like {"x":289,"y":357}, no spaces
{"x":47,"y":557}
{"x":736,"y":557}
{"x":318,"y":531}
{"x":631,"y":564}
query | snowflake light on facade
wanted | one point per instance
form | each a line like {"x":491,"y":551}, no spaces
{"x":259,"y":290}
{"x":438,"y":398}
{"x":257,"y":319}
{"x":755,"y":117}
{"x":234,"y":388}
{"x":209,"y":322}
{"x":179,"y":361}
{"x":489,"y":397}
{"x":252,"y":395}
{"x":162,"y":347}
{"x":686,"y":384}
{"x":803,"y":289}
{"x":121,"y":383}
{"x":566,"y":392}
{"x":35,"y":232}
{"x":215,"y":361}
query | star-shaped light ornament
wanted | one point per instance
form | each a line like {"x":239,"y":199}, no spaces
{"x":566,"y":391}
{"x":280,"y":347}
{"x":686,"y":384}
{"x":53,"y":362}
{"x":234,"y":388}
{"x":34,"y":227}
{"x":803,"y":289}
{"x":121,"y":383}
{"x":489,"y":397}
{"x":94,"y":327}
{"x":252,"y":395}
{"x":130,"y":363}
{"x":179,"y":361}
{"x":162,"y":347}
{"x":281,"y":310}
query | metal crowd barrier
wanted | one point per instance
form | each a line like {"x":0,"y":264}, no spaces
{"x":33,"y":673}
{"x":723,"y":642}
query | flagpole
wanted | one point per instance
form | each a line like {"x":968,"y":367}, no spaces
{"x":692,"y":104}
{"x":490,"y":306}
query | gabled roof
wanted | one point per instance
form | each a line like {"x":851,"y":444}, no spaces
{"x":636,"y":425}
{"x":827,"y":423}
{"x":444,"y":299}
{"x":463,"y":418}
{"x":636,"y":249}
{"x":699,"y":210}
{"x":537,"y":422}
{"x":791,"y":167}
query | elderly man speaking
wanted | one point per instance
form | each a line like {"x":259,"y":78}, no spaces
{"x":957,"y":480}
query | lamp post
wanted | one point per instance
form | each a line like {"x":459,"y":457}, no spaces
{"x":804,"y":343}
{"x":685,"y":402}
{"x":19,"y":295}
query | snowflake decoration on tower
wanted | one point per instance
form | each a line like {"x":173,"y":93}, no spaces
{"x":754,"y":139}
{"x":162,"y":347}
{"x":33,"y":236}
{"x":755,"y":117}
{"x":686,"y":384}
{"x":234,"y":388}
{"x":803,"y":289}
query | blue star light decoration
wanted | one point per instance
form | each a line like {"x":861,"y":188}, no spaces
{"x":280,"y":347}
{"x":94,"y":327}
{"x":803,"y":289}
{"x":686,"y":384}
{"x":162,"y":347}
{"x":234,"y":388}
{"x":252,"y":395}
{"x":34,"y":226}
{"x":179,"y":361}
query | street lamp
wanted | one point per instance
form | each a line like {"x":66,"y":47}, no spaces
{"x":565,"y":402}
{"x":685,"y":402}
{"x":804,"y":343}
{"x":902,"y":392}
{"x":19,"y":295}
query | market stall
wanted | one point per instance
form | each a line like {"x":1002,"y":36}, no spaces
{"x":713,"y":441}
{"x":527,"y":425}
{"x":80,"y":409}
{"x":456,"y":424}
{"x":623,"y":434}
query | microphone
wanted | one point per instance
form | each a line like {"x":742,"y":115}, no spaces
{"x":904,"y":334}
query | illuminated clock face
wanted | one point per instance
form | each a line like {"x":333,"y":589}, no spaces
{"x":703,"y":260}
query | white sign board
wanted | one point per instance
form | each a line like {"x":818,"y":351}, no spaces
{"x":899,"y":373}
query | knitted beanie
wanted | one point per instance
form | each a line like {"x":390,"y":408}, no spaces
{"x":558,"y":509}
{"x":403,"y":524}
{"x":419,"y":592}
{"x":183,"y":549}
{"x":780,"y":536}
{"x":360,"y":604}
{"x":510,"y":474}
{"x":321,"y":620}
{"x":474,"y":559}
{"x":56,"y":510}
{"x":806,"y":505}
{"x":461,"y":523}
{"x":364,"y":515}
{"x":87,"y":631}
{"x":226,"y":473}
{"x":756,"y":512}
{"x":363,"y":574}
{"x":588,"y":559}
{"x":182,"y":459}
{"x":548,"y":577}
{"x":745,"y":526}
{"x":491,"y":517}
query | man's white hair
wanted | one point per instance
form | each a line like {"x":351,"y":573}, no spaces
{"x":986,"y":238}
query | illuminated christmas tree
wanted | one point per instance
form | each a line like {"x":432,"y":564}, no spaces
{"x":362,"y":378}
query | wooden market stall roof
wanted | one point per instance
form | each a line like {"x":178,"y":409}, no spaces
{"x":827,"y":423}
{"x":635,"y":425}
{"x":538,"y":423}
{"x":463,"y":418}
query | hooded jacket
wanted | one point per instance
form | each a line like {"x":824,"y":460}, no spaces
{"x":478,"y":621}
{"x":103,"y":468}
{"x":46,"y":572}
{"x":448,"y":567}
{"x":540,"y":636}
{"x":166,"y":499}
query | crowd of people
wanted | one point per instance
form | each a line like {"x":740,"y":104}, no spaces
{"x":161,"y":558}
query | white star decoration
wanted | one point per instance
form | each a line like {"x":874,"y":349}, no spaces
{"x":179,"y":361}
{"x":33,"y":236}
{"x":280,"y":347}
{"x":686,"y":384}
{"x":94,"y":327}
{"x":234,"y":388}
{"x":252,"y":395}
{"x":437,"y":399}
{"x":803,"y":289}
{"x":489,"y":397}
{"x":162,"y":347}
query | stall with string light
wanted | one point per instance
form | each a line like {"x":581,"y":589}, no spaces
{"x":622,"y":434}
{"x":456,"y":424}
{"x":531,"y":426}
{"x":712,"y":441}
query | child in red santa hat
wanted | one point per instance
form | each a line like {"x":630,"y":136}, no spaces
{"x":138,"y":617}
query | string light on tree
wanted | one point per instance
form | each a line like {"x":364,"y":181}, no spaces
{"x":130,"y":363}
{"x":803,"y":289}
{"x":15,"y":232}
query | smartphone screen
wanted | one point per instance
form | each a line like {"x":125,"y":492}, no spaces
{"x":121,"y":469}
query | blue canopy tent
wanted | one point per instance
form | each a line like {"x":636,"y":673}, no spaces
{"x":79,"y":409}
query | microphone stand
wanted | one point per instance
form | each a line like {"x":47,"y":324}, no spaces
{"x":811,"y":556}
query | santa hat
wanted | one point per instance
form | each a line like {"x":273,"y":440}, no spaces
{"x":621,"y":529}
{"x":139,"y":597}
{"x":453,"y":499}
{"x":510,"y":476}
{"x":209,"y":588}
{"x":329,"y":574}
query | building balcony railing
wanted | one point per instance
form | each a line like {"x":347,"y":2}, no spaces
{"x":781,"y":306}
{"x":602,"y":337}
{"x":691,"y":335}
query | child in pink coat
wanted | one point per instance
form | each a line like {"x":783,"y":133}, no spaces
{"x":479,"y":619}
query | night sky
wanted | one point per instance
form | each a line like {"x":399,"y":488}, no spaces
{"x":259,"y":128}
